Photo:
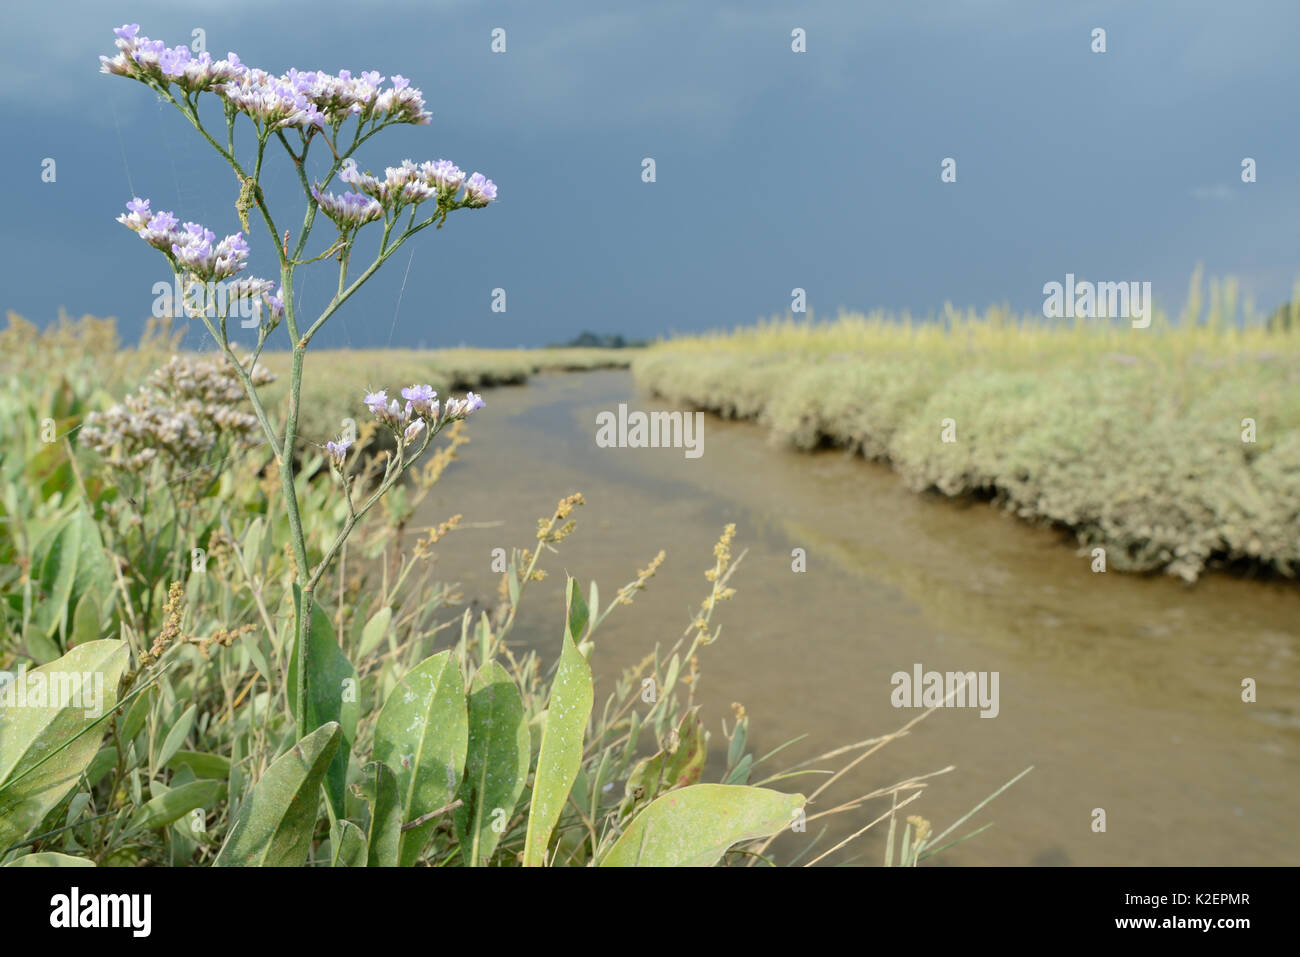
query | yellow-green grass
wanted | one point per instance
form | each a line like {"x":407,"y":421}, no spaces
{"x":1131,"y":437}
{"x":335,"y":380}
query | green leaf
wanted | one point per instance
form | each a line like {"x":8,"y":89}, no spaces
{"x":349,"y":845}
{"x":496,"y":766}
{"x":331,"y":696}
{"x":422,"y":735}
{"x":740,"y":773}
{"x":46,"y":737}
{"x":41,"y":647}
{"x":694,"y":826}
{"x":85,"y":620}
{"x":176,"y":736}
{"x":176,"y":803}
{"x":136,"y":714}
{"x":560,"y":754}
{"x":384,"y":840}
{"x":214,"y":766}
{"x":375,"y":631}
{"x":50,"y":859}
{"x":251,"y":551}
{"x":69,"y":562}
{"x":275,"y":823}
{"x":105,"y":760}
{"x":576,"y":610}
{"x":736,"y":749}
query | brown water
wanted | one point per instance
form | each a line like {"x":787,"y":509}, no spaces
{"x":1123,"y":692}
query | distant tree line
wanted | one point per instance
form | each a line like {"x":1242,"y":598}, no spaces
{"x":590,"y":340}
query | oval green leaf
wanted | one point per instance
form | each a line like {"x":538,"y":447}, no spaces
{"x":51,"y":859}
{"x":422,"y":735}
{"x":693,"y":826}
{"x":50,"y":728}
{"x":560,"y":754}
{"x":348,"y":844}
{"x":176,"y":803}
{"x":331,"y":696}
{"x":384,"y":840}
{"x":275,"y":823}
{"x":496,"y":766}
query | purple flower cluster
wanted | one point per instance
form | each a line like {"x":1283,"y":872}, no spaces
{"x":195,"y":250}
{"x":272,"y":100}
{"x":350,"y":210}
{"x":421,"y":407}
{"x":294,"y":99}
{"x":157,"y":229}
{"x":412,"y":183}
{"x":194,"y":247}
{"x":144,"y":59}
{"x":461,"y":408}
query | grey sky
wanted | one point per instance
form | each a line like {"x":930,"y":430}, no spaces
{"x":775,"y":169}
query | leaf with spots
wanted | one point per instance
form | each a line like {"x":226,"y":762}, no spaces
{"x":422,"y":735}
{"x":560,"y":755}
{"x":497,"y":764}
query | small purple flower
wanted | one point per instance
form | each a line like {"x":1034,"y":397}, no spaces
{"x":275,"y":302}
{"x":338,"y":451}
{"x":412,"y":431}
{"x":376,"y":402}
{"x":479,"y":190}
{"x":172,"y":62}
{"x":461,"y":408}
{"x":137,"y":215}
{"x":157,"y":229}
{"x":163,"y":220}
{"x":420,"y":399}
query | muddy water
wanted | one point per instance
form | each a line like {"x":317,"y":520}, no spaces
{"x":1124,"y":693}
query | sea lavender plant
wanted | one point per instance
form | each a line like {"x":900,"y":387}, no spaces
{"x":298,"y":110}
